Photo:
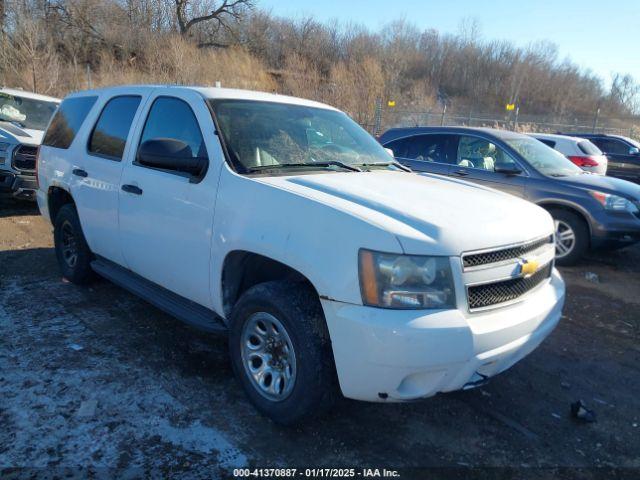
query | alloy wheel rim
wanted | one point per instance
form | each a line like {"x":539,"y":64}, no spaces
{"x":565,"y":239}
{"x":69,"y":245}
{"x":268,"y":356}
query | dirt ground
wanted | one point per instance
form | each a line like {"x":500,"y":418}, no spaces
{"x":96,"y":377}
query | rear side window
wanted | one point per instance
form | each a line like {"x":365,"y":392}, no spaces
{"x":110,"y":133}
{"x":399,"y":147}
{"x":588,"y":148}
{"x":430,"y":148}
{"x":67,"y":121}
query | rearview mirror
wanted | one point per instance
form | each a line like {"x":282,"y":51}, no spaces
{"x":509,"y":169}
{"x":170,"y":154}
{"x":634,"y":151}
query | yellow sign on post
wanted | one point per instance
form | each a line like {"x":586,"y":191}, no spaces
{"x":510,"y":106}
{"x":391,"y":103}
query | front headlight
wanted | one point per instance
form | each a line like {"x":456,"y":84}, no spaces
{"x":390,"y":280}
{"x":614,"y":202}
{"x":3,"y":151}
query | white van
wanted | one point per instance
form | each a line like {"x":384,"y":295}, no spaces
{"x":282,"y":223}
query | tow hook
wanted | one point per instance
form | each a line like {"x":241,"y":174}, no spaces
{"x":479,"y":380}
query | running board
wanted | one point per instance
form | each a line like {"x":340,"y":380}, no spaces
{"x":183,"y":309}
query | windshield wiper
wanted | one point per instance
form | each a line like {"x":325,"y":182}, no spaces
{"x":14,"y":122}
{"x":387,"y":164}
{"x":333,"y":163}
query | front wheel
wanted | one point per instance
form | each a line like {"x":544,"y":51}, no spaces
{"x":281,"y":352}
{"x":572,"y":237}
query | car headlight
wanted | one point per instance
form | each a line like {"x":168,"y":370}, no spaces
{"x":391,"y":280}
{"x":614,"y":203}
{"x":4,"y":146}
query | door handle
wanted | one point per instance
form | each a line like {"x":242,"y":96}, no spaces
{"x":78,"y":172}
{"x":132,"y":189}
{"x":462,"y":173}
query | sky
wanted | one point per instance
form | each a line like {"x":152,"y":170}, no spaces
{"x":601,"y":36}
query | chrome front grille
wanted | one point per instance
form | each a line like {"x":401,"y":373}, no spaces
{"x":490,"y":294}
{"x":24,"y":158}
{"x":477,"y":259}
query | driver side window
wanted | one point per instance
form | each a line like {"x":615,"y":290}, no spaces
{"x":172,"y":118}
{"x":476,"y":152}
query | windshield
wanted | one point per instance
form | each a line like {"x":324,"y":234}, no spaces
{"x":270,"y":136}
{"x":26,"y":112}
{"x":543,"y":158}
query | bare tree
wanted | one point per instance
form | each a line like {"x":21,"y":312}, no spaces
{"x":625,"y":92}
{"x":190,"y":13}
{"x":2,"y":14}
{"x":31,"y":58}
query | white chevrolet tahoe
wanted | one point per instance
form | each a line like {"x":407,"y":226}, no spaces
{"x":282,"y":223}
{"x":23,"y":118}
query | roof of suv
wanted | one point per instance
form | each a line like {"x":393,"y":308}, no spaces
{"x":214,"y":93}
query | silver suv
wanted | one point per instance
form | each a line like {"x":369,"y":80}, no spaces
{"x":24,"y":117}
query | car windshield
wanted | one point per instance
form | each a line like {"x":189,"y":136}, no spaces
{"x":545,"y":159}
{"x":266,"y":136}
{"x":26,"y":112}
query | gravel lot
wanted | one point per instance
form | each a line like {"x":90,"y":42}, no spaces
{"x":96,"y":377}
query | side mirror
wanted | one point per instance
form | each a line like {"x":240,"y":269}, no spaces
{"x":170,"y":154}
{"x":390,"y":152}
{"x":508,"y":169}
{"x":634,"y":151}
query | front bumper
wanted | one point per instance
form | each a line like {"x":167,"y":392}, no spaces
{"x":614,"y":230}
{"x":17,"y":185}
{"x":401,"y":355}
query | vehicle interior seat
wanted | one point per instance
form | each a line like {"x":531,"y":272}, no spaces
{"x":477,"y":153}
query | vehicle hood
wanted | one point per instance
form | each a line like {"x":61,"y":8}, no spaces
{"x":604,"y":184}
{"x":429,"y":214}
{"x":9,"y":132}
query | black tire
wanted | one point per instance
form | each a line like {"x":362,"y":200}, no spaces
{"x":297,"y":307}
{"x":581,"y":234}
{"x":67,"y":223}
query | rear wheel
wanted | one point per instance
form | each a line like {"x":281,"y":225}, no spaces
{"x":72,"y":251}
{"x":572,"y":237}
{"x":281,"y":352}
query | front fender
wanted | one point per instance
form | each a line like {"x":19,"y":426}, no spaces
{"x":318,"y":240}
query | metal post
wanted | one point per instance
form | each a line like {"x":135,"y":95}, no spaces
{"x":444,"y":112}
{"x":378,"y":117}
{"x":89,"y":77}
{"x":515,"y":123}
{"x":469,"y":120}
{"x":595,"y":120}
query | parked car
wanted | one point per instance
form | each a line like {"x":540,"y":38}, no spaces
{"x":590,"y":211}
{"x":623,"y":154}
{"x":579,"y":150}
{"x":23,"y":118}
{"x":282,"y":223}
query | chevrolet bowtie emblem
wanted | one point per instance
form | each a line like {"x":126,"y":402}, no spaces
{"x":528,"y":267}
